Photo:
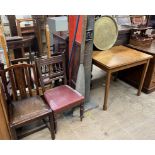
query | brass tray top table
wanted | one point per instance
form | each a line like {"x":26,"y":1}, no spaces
{"x":119,"y":58}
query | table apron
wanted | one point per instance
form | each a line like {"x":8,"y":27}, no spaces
{"x":121,"y":67}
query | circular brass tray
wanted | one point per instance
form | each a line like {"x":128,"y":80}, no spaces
{"x":105,"y":33}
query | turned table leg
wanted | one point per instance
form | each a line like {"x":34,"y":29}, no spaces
{"x":107,"y":90}
{"x":142,"y":78}
{"x":23,"y":52}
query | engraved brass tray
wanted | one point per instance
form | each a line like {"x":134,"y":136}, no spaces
{"x":105,"y":32}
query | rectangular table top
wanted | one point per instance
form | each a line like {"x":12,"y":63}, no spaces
{"x":14,"y":38}
{"x":119,"y":56}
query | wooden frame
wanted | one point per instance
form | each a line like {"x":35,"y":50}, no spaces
{"x":20,"y":21}
{"x":48,"y":41}
{"x":4,"y":127}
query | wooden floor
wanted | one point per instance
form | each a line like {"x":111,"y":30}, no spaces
{"x":128,"y":116}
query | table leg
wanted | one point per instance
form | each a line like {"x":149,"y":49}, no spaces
{"x":11,"y":54}
{"x":142,"y":78}
{"x":30,"y":55}
{"x":23,"y":52}
{"x":107,"y":90}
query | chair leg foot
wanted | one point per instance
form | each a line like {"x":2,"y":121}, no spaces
{"x":51,"y":121}
{"x":13,"y":133}
{"x":81,"y":111}
{"x":55,"y":122}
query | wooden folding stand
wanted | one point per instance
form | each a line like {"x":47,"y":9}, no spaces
{"x":48,"y":42}
{"x":3,"y":45}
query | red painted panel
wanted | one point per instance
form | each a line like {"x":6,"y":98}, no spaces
{"x":73,"y":68}
{"x":72,"y":26}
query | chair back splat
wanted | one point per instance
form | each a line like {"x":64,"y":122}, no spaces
{"x":51,"y":69}
{"x":17,"y":81}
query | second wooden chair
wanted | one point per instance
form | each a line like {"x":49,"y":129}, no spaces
{"x":62,"y":97}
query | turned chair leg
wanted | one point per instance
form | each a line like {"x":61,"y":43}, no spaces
{"x":55,"y":122}
{"x":52,"y":130}
{"x":81,"y":111}
{"x":13,"y":133}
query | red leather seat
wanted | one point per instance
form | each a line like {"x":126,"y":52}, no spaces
{"x":62,"y":97}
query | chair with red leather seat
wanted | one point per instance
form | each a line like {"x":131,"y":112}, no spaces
{"x":62,"y":97}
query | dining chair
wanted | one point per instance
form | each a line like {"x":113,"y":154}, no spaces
{"x":59,"y":98}
{"x":24,"y":103}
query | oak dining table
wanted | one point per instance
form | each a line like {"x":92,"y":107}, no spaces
{"x":119,"y":58}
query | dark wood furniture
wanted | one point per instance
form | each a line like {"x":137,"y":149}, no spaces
{"x":27,"y":30}
{"x":139,"y":37}
{"x":24,"y":105}
{"x":151,"y":21}
{"x":132,"y":76}
{"x":62,"y":97}
{"x":40,"y":31}
{"x":20,"y":60}
{"x":123,"y":35}
{"x":12,"y":24}
{"x":119,"y":58}
{"x":60,"y":42}
{"x":61,"y":46}
{"x":14,"y":38}
{"x":1,"y":66}
{"x":24,"y":44}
